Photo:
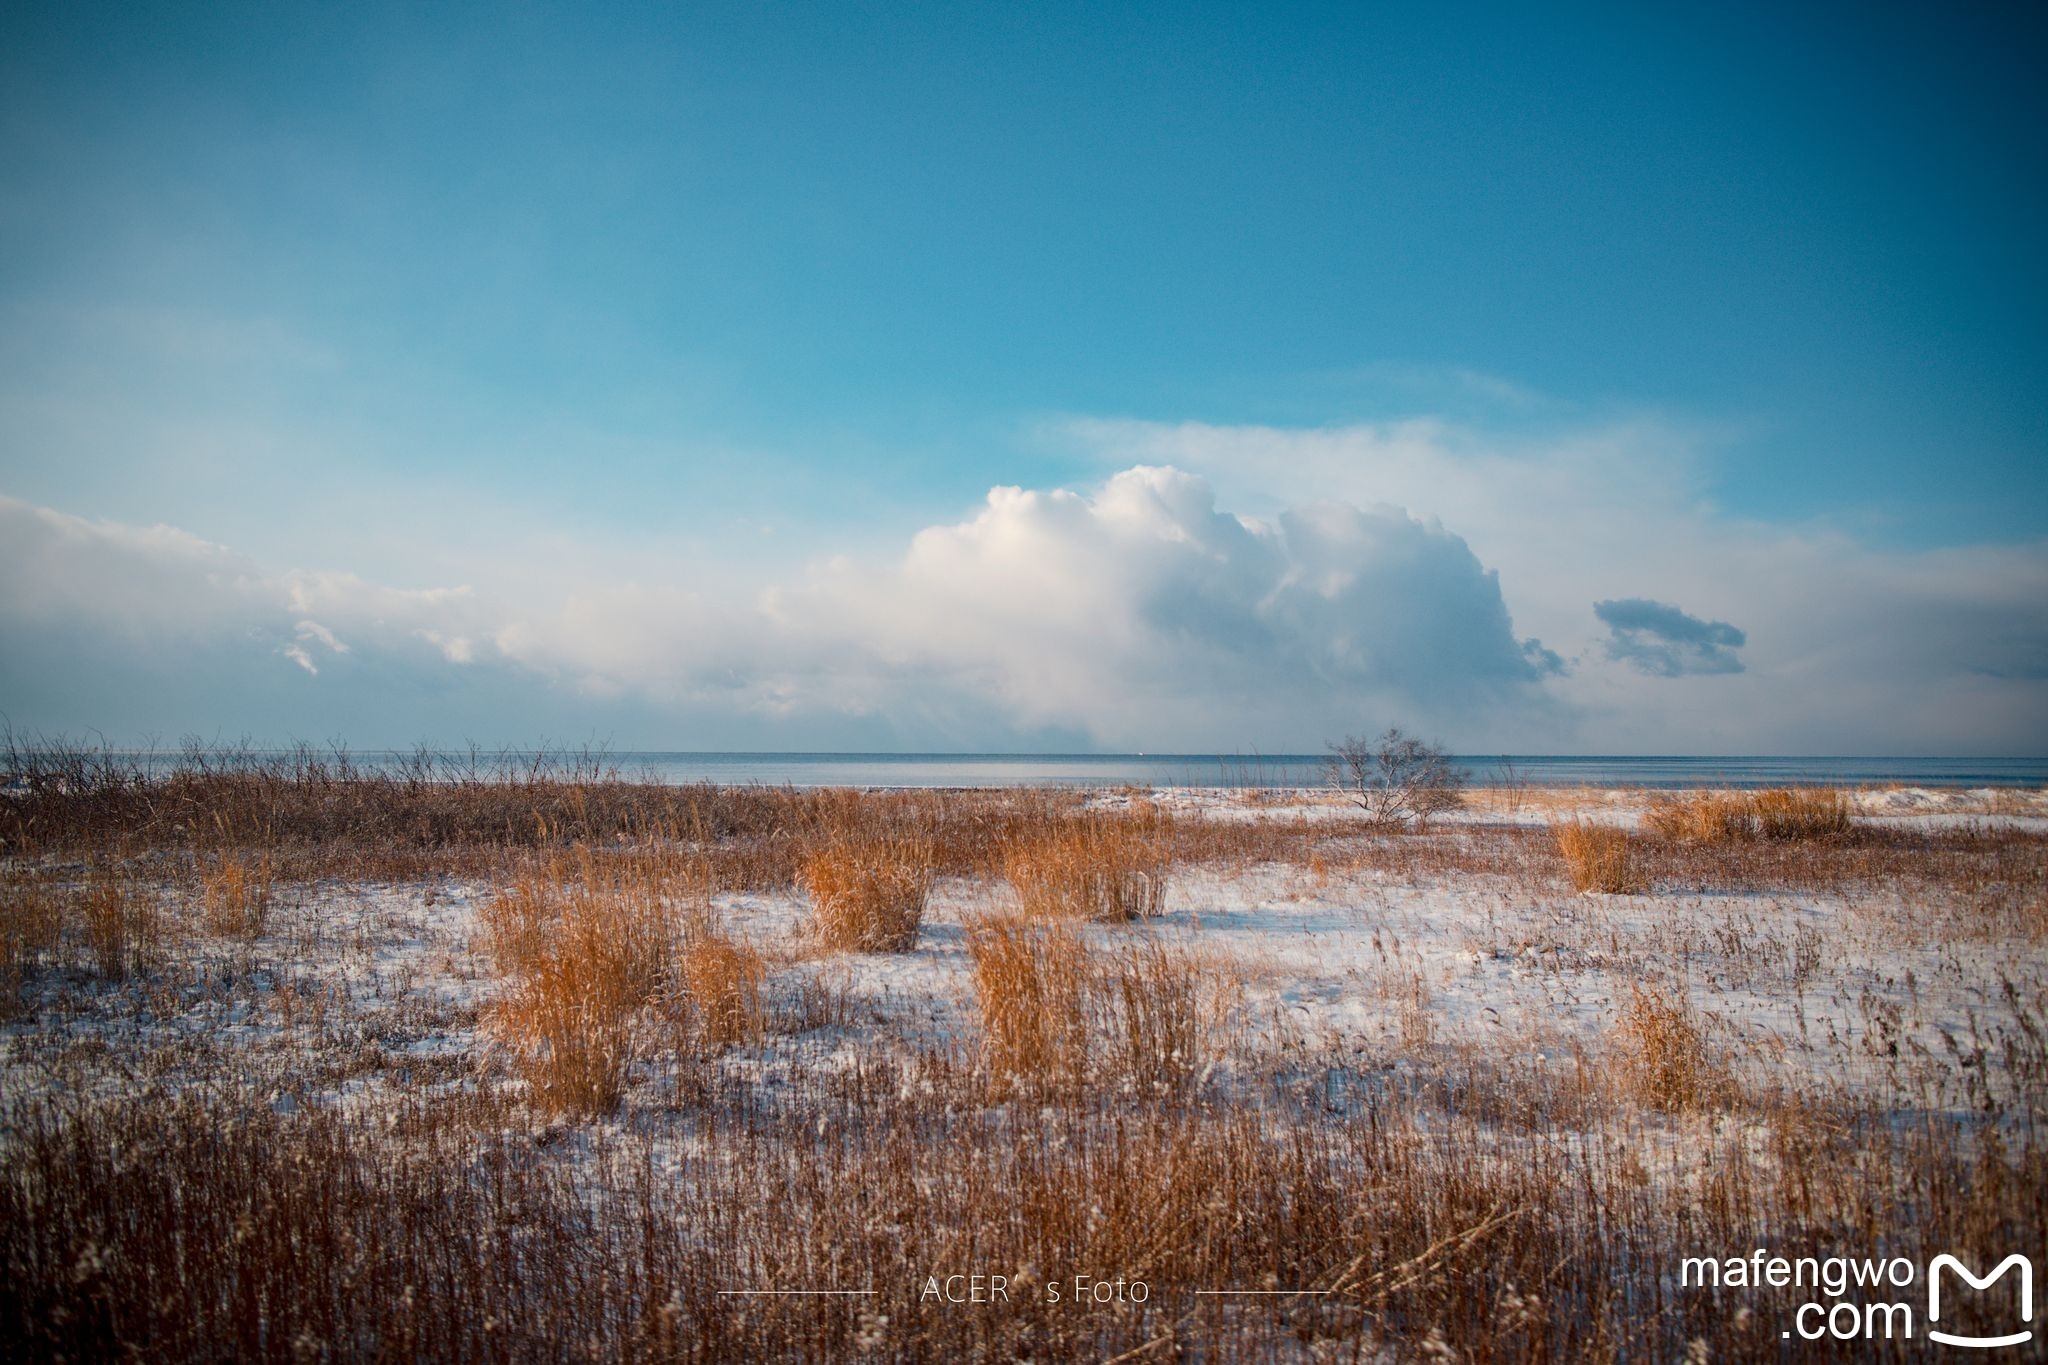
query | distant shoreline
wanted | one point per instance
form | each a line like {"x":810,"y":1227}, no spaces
{"x":967,"y":771}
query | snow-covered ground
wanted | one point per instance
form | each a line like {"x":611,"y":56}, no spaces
{"x":356,"y":989}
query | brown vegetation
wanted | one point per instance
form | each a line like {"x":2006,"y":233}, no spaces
{"x":1597,"y":857}
{"x":1711,"y":817}
{"x":235,"y":895}
{"x":1110,"y":867}
{"x":329,"y":1185}
{"x":868,"y":888}
{"x":1666,"y":1051}
{"x":1033,"y":990}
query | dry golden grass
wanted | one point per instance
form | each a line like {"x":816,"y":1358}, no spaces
{"x":123,"y":925}
{"x":1101,"y":867}
{"x":1669,"y":1066}
{"x":868,"y":890}
{"x":1032,"y":986}
{"x":1158,"y":1018}
{"x":591,"y":949}
{"x":1703,"y":817}
{"x":235,"y":896}
{"x":31,"y":934}
{"x":1597,"y":857}
{"x":1719,"y":817}
{"x":721,"y":980}
{"x":1805,"y":813}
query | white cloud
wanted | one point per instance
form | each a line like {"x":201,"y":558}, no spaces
{"x":1147,"y":616}
{"x":1849,"y":647}
{"x":1397,"y":573}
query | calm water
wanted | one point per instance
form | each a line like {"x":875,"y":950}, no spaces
{"x":1190,"y":770}
{"x":1299,"y":770}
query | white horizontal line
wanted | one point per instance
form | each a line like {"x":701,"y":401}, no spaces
{"x":1262,"y":1291}
{"x":796,"y":1291}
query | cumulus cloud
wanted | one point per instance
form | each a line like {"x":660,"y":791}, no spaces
{"x":1852,"y":647}
{"x":1218,"y":587}
{"x":1137,"y":613}
{"x":1142,"y":610}
{"x":1658,"y":639}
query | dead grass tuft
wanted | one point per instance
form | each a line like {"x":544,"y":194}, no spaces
{"x":1670,"y":1067}
{"x":721,"y":979}
{"x":869,"y":889}
{"x":31,"y":934}
{"x":123,"y":926}
{"x":1804,"y":813}
{"x":1032,"y":981}
{"x":1597,"y":857}
{"x":235,"y":896}
{"x":1719,"y":817}
{"x":1154,"y":996}
{"x":1703,"y":817}
{"x":591,"y":947}
{"x":1101,"y":867}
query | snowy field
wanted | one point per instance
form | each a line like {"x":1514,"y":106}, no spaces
{"x":1866,"y":1014}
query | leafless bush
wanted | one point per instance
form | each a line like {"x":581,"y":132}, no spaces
{"x":1395,"y":778}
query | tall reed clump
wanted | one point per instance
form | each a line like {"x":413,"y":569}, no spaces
{"x":235,"y":896}
{"x":31,"y":927}
{"x":591,"y":950}
{"x":1702,"y":817}
{"x":721,"y":981}
{"x":1669,"y":1064}
{"x":1100,"y":867}
{"x":123,"y":926}
{"x":1597,"y":857}
{"x":868,"y":888}
{"x":1032,"y":984}
{"x":1802,"y":813}
{"x":1726,"y":817}
{"x":1153,"y":995}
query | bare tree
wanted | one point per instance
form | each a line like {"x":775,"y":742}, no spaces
{"x":1396,"y":778}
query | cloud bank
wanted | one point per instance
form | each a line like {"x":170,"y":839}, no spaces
{"x":1849,"y":647}
{"x":1135,"y":614}
{"x":1216,"y":589}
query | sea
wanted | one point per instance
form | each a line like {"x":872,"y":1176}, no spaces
{"x":1305,"y":770}
{"x":941,"y":770}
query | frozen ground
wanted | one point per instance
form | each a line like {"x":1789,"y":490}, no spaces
{"x":360,"y":989}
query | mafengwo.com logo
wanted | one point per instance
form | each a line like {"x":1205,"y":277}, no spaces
{"x":1872,"y":1299}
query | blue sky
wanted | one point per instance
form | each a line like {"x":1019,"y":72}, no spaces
{"x":573,"y":306}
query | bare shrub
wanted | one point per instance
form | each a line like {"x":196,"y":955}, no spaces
{"x":235,"y":896}
{"x":1395,"y":778}
{"x":1597,"y":857}
{"x":1032,"y":982}
{"x":1670,"y":1067}
{"x":1100,"y":867}
{"x":868,"y":889}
